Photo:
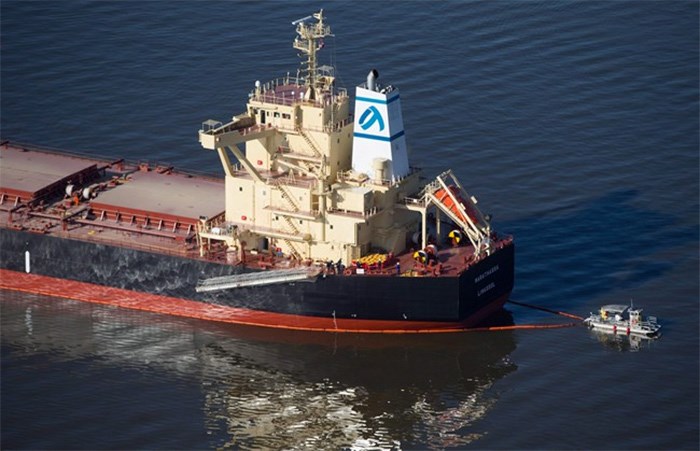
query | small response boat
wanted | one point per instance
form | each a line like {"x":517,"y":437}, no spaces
{"x":623,"y":319}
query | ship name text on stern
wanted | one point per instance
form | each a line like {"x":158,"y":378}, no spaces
{"x":485,"y":274}
{"x":488,"y":287}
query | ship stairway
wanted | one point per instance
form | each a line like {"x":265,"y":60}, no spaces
{"x":288,"y":199}
{"x":310,"y":142}
{"x":291,"y":228}
{"x":290,"y":223}
{"x":254,"y":279}
{"x":292,"y":248}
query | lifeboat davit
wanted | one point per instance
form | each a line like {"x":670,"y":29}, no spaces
{"x":445,"y":199}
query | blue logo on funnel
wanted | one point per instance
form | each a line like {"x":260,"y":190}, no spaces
{"x":369,"y":117}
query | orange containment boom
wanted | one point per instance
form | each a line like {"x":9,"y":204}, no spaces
{"x":100,"y":294}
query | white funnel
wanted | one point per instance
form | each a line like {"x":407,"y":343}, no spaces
{"x":378,"y":131}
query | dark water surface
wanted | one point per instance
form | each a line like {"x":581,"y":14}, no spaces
{"x":576,"y":125}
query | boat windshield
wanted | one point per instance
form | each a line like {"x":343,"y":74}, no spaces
{"x":614,"y":308}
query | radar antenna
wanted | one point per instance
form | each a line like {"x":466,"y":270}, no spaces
{"x":307,"y":42}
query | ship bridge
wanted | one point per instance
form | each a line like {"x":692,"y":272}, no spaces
{"x":297,"y":127}
{"x":301,"y":128}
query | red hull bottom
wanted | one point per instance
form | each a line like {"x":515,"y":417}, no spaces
{"x":99,"y":294}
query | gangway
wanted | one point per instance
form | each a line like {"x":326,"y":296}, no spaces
{"x":257,"y":279}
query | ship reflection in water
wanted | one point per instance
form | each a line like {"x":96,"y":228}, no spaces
{"x":264,"y":388}
{"x":621,"y":341}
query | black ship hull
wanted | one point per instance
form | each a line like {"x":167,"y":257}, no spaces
{"x":370,"y":300}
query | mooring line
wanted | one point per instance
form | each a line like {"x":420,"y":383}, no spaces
{"x":522,"y":327}
{"x":544,"y":309}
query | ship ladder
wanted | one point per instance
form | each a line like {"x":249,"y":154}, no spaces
{"x":257,"y":279}
{"x":310,"y":142}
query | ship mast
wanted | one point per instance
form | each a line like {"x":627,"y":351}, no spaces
{"x":308,"y":43}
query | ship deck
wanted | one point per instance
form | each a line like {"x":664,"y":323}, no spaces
{"x":145,"y":208}
{"x":29,"y":176}
{"x":450,"y":262}
{"x":168,"y":196}
{"x":283,"y":92}
{"x":138,"y":206}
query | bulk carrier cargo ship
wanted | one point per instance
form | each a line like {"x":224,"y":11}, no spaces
{"x":320,"y":223}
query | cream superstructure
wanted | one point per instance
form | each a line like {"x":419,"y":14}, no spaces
{"x":312,"y":182}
